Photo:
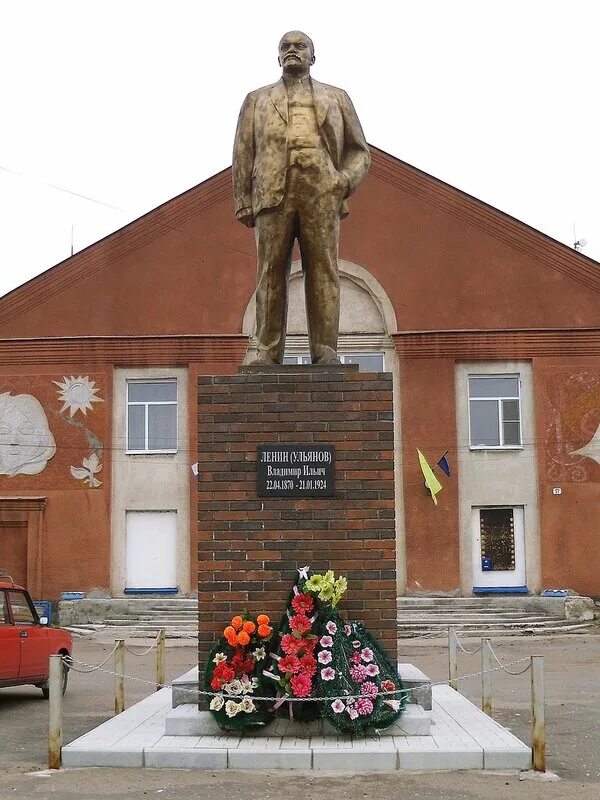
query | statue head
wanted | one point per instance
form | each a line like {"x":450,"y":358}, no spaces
{"x":26,"y":442}
{"x":296,"y":53}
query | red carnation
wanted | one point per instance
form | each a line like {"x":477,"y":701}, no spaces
{"x":224,"y":672}
{"x":300,"y":623}
{"x":303,"y":604}
{"x":301,"y":685}
{"x":289,"y":664}
{"x":309,"y":644}
{"x":291,"y":645}
{"x":388,"y":686}
{"x":215,"y":684}
{"x":308,"y":665}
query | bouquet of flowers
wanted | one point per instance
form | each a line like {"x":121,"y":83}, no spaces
{"x":233,"y":673}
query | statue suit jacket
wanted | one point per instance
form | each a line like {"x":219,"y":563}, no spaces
{"x":260,"y":148}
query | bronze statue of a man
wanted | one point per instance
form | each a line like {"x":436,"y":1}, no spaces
{"x":299,"y":152}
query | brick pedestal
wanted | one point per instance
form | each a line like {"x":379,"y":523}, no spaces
{"x":249,"y":547}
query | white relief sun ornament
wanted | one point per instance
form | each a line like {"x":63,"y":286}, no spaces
{"x":591,"y":449}
{"x":78,"y":394}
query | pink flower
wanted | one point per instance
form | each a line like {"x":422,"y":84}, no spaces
{"x":324,"y":656}
{"x":302,"y":604}
{"x":388,"y":686}
{"x":372,"y":670}
{"x":331,"y":627}
{"x":352,"y":712}
{"x":301,"y":685}
{"x":308,"y":665}
{"x":347,"y":629}
{"x":369,"y":689}
{"x":289,"y":664}
{"x":326,"y":641}
{"x":366,"y":654}
{"x":291,"y":645}
{"x":300,"y":623}
{"x":338,"y":706}
{"x":356,"y":644}
{"x":358,"y":673}
{"x":328,"y":674}
{"x":364,"y":706}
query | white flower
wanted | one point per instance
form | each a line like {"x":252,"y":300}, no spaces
{"x":348,"y":629}
{"x":352,"y":712}
{"x":331,"y":627}
{"x":259,"y":653}
{"x":233,"y":687}
{"x":326,"y":641}
{"x":247,"y":705}
{"x":216,"y":704}
{"x":232,"y":708}
{"x":219,"y":657}
{"x":395,"y":704}
{"x":328,"y":674}
{"x":246,"y":684}
{"x":338,"y":706}
{"x":324,"y":656}
{"x":91,"y":467}
{"x":366,"y":654}
{"x":254,"y":683}
{"x":356,"y":644}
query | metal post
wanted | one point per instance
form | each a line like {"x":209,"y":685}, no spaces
{"x":452,"y":658}
{"x":55,"y":712}
{"x":119,"y":679}
{"x":486,"y":677}
{"x":538,"y":725}
{"x":160,"y":660}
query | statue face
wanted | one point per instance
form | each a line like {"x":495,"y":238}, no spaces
{"x":295,"y":53}
{"x":26,"y":443}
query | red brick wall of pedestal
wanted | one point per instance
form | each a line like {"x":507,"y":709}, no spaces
{"x":249,"y":547}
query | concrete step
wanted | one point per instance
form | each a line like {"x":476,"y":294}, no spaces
{"x":490,"y":632}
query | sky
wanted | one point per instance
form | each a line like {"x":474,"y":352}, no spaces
{"x":111,"y":108}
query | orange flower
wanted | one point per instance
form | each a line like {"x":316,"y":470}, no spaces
{"x":243,"y":638}
{"x":229,"y":632}
{"x":264,"y":630}
{"x":232,"y":641}
{"x":237,"y":623}
{"x":249,"y":627}
{"x":262,"y":619}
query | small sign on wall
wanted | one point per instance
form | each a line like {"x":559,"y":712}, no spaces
{"x":295,"y":470}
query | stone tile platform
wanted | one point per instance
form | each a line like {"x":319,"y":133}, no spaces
{"x":461,"y":737}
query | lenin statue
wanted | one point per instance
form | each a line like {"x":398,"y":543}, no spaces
{"x":299,"y":152}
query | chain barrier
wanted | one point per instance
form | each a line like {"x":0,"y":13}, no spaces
{"x":69,"y":661}
{"x":504,"y":666}
{"x":197,"y":692}
{"x":144,"y":652}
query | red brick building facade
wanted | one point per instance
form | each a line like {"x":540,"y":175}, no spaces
{"x":490,"y":329}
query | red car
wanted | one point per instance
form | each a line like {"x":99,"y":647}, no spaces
{"x":26,"y":644}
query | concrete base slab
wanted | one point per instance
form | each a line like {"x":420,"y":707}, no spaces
{"x":186,"y":720}
{"x":460,"y":737}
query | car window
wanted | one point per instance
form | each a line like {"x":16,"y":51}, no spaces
{"x":4,"y":618}
{"x":22,"y":613}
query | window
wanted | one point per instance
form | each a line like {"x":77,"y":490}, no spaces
{"x":22,"y":612}
{"x":494,"y":411}
{"x":4,"y":616}
{"x":151,"y":416}
{"x":367,"y":362}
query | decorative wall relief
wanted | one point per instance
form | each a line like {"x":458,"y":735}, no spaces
{"x":26,"y":442}
{"x":572,"y":436}
{"x":78,"y":394}
{"x":91,"y":467}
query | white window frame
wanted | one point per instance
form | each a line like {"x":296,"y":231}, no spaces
{"x":498,"y":400}
{"x":146,"y":404}
{"x":341,"y":356}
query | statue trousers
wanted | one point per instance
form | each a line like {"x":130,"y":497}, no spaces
{"x":310,"y":213}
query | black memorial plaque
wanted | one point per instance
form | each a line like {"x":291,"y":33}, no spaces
{"x":295,"y":470}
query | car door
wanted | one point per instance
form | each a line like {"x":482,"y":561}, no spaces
{"x":10,"y":644}
{"x":32,"y":635}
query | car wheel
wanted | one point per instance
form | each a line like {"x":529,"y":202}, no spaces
{"x":65,"y":679}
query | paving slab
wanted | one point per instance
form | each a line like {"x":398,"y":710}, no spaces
{"x":460,"y":737}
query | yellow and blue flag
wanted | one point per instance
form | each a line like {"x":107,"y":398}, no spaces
{"x":431,"y":482}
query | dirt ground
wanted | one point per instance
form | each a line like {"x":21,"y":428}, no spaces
{"x":572,"y":669}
